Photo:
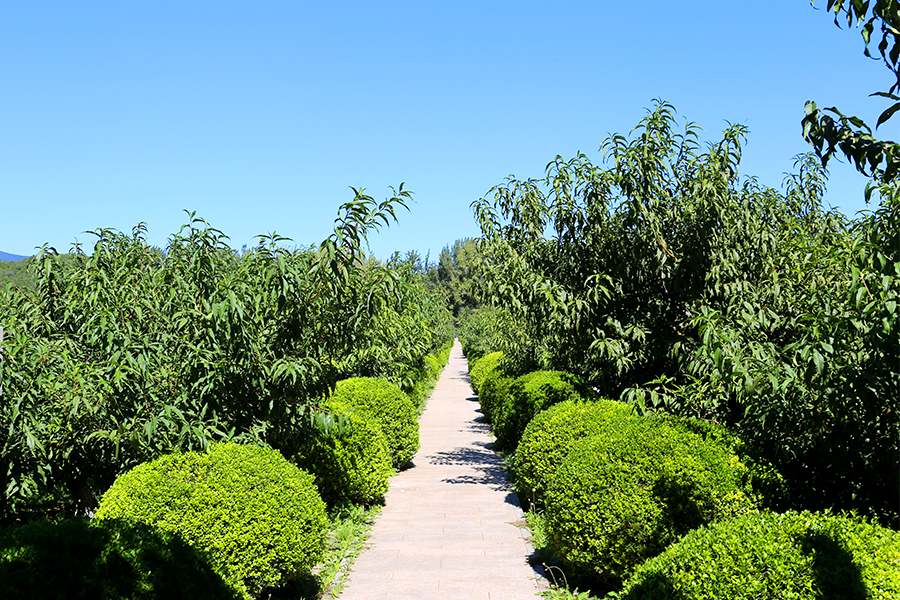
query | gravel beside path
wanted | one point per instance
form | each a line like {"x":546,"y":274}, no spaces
{"x":451,"y":526}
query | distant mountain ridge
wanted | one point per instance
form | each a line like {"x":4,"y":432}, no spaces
{"x":11,"y":257}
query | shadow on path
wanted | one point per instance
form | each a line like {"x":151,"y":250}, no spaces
{"x":489,"y":467}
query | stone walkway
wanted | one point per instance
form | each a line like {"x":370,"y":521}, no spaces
{"x":451,"y":526}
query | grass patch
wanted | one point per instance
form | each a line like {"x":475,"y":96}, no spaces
{"x":350,"y":525}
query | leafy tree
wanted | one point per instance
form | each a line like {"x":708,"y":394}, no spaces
{"x":456,"y":273}
{"x":666,"y":280}
{"x":879,"y":159}
{"x":120,"y":356}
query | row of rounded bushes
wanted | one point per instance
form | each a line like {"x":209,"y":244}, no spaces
{"x":419,"y":382}
{"x":628,"y":501}
{"x":227,"y":523}
{"x":237,"y":521}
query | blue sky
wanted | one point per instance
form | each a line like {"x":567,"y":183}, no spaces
{"x":260,"y":116}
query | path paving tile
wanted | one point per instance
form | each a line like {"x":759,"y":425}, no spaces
{"x":451,"y":527}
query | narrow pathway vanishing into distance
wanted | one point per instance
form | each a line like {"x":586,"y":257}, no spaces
{"x":451,"y":526}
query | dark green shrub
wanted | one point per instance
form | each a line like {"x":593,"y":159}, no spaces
{"x":424,"y":378}
{"x":552,"y":433}
{"x":432,"y":367}
{"x":529,"y":395}
{"x":443,"y":355}
{"x":349,"y":465}
{"x":621,"y":498}
{"x":391,"y":408}
{"x":494,"y":393}
{"x":805,"y":556}
{"x":259,"y":518}
{"x":482,"y":368}
{"x":768,"y":485}
{"x":415,"y":384}
{"x":80,"y":559}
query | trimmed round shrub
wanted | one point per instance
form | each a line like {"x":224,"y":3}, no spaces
{"x":443,"y":355}
{"x":483,"y":368}
{"x":259,"y":518}
{"x":621,"y":498}
{"x":349,"y":465}
{"x":433,"y":367}
{"x":769,"y":487}
{"x":393,"y":410}
{"x":550,"y":436}
{"x":85,"y":559}
{"x":494,"y":393}
{"x":414,"y":383}
{"x":530,"y":394}
{"x":805,"y":556}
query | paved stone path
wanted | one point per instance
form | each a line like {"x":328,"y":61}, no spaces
{"x":451,"y":526}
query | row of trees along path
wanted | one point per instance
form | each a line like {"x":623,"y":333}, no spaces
{"x":451,"y":526}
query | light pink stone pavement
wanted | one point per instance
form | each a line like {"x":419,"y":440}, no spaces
{"x":451,"y":526}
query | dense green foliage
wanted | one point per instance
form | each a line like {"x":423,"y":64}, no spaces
{"x":81,"y":559}
{"x":804,"y":555}
{"x":16,"y":273}
{"x":259,"y":518}
{"x":483,"y":368}
{"x":550,"y":436}
{"x":494,"y":392}
{"x":131,"y":352}
{"x":666,"y":280}
{"x":483,"y":331}
{"x":623,"y":496}
{"x":350,"y":465}
{"x":425,"y":376}
{"x":455,"y":273}
{"x":769,"y":488}
{"x":393,"y":410}
{"x":530,"y":394}
{"x":491,"y":383}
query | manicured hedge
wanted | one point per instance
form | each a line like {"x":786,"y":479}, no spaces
{"x":530,"y":394}
{"x":110,"y":559}
{"x":803,"y":556}
{"x":393,"y":410}
{"x":550,"y":436}
{"x":482,"y":368}
{"x":352,"y":465}
{"x":621,"y":498}
{"x":259,"y":518}
{"x":426,"y":376}
{"x":494,"y":392}
{"x":769,"y":487}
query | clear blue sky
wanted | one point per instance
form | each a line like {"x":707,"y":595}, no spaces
{"x":260,"y":116}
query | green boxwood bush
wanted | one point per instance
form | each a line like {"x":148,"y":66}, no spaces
{"x":530,"y":394}
{"x":768,"y":484}
{"x":621,"y":498}
{"x":443,"y":355}
{"x":349,"y":465}
{"x":425,"y":377}
{"x":415,"y":384}
{"x":484,"y":367}
{"x":392,"y":409}
{"x":81,"y":559}
{"x":804,"y":556}
{"x":432,"y":367}
{"x":494,"y":393}
{"x":258,"y":517}
{"x":552,"y":433}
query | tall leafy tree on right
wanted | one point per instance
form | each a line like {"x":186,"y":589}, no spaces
{"x":879,"y":159}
